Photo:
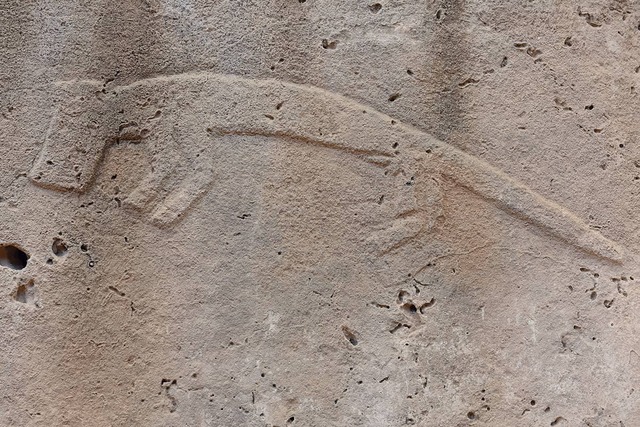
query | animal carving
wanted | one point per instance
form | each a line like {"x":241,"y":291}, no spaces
{"x":180,"y":118}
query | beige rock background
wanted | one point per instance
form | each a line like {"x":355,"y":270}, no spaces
{"x":260,"y":213}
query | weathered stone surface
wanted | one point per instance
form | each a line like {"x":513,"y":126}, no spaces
{"x":319,"y":213}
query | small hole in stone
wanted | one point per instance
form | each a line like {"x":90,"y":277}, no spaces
{"x":25,"y":293}
{"x":13,"y":257}
{"x":326,"y":44}
{"x":291,"y":419}
{"x":84,"y":247}
{"x":471,"y":415}
{"x":58,"y":247}
{"x":394,"y":96}
{"x":423,"y":307}
{"x":350,"y":335}
{"x":402,"y":295}
{"x":375,"y":8}
{"x":411,"y":308}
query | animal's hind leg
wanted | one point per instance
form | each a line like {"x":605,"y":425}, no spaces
{"x":414,"y":206}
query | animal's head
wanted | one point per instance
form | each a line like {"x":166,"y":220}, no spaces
{"x":80,"y":128}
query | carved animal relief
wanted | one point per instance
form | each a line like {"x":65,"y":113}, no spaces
{"x":182,"y":120}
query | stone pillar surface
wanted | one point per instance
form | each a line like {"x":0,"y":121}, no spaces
{"x":275,"y":213}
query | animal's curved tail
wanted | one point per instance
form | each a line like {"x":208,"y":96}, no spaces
{"x":514,"y":197}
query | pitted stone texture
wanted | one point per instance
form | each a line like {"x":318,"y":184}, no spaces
{"x":319,"y":213}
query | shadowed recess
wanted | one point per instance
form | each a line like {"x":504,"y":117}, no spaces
{"x":13,"y":257}
{"x":59,"y":248}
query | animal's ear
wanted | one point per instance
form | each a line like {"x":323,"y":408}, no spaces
{"x":80,"y":128}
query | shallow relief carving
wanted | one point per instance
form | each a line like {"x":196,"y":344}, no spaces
{"x":181,"y":120}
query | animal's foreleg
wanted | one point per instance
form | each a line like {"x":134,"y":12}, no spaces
{"x":165,"y":158}
{"x":198,"y":177}
{"x":184,"y":197}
